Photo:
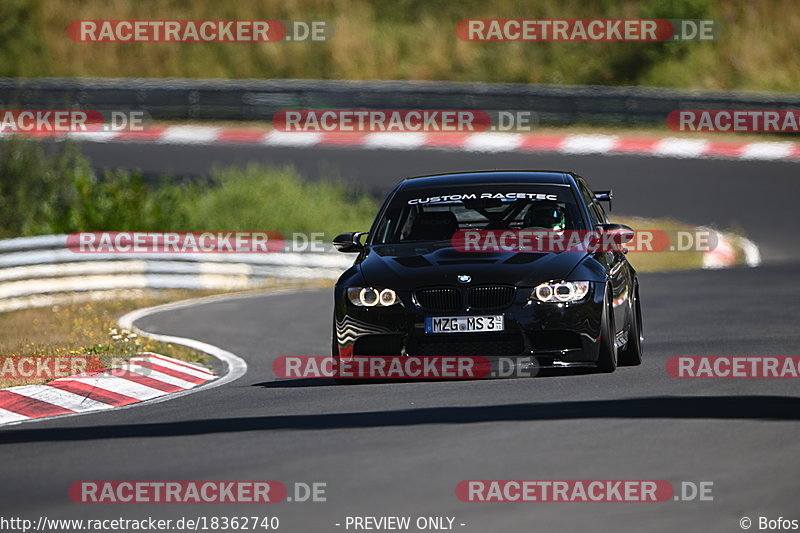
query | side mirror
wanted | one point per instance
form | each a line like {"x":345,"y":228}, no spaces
{"x":349,"y":242}
{"x":620,"y":233}
{"x":604,"y":196}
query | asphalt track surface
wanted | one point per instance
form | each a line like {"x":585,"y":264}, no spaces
{"x":401,"y":448}
{"x":759,"y":197}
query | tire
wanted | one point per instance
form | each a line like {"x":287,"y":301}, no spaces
{"x":607,"y":359}
{"x":335,"y":354}
{"x":632,"y":354}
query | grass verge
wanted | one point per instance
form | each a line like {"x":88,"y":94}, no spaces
{"x":90,"y":329}
{"x":416,"y":40}
{"x":59,"y":192}
{"x":660,"y":261}
{"x":649,"y":131}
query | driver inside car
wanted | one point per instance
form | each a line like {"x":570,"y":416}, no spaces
{"x":546,"y":215}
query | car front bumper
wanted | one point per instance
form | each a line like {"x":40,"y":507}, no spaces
{"x":549,"y":334}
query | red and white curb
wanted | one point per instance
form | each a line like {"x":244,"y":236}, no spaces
{"x":577,"y":144}
{"x":145,"y":377}
{"x":724,"y":253}
{"x":119,"y":388}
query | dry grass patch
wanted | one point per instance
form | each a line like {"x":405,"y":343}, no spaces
{"x":90,"y":329}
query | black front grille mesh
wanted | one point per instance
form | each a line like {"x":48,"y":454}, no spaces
{"x":478,"y":298}
{"x":494,"y":297}
{"x":486,"y":345}
{"x":439,"y":299}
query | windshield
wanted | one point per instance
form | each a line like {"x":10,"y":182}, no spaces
{"x":435,"y":215}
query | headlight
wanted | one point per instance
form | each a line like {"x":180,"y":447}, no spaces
{"x":561,"y":291}
{"x":370,"y":297}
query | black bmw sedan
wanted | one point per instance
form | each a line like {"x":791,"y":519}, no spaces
{"x":474,"y":264}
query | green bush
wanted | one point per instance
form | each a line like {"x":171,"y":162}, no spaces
{"x":277,"y":199}
{"x":759,"y":46}
{"x":43,"y":193}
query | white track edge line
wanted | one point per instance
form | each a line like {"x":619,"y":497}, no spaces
{"x":237,"y":367}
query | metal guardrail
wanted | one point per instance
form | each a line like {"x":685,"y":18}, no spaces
{"x":33,"y":268}
{"x":185,"y":99}
{"x":35,"y":271}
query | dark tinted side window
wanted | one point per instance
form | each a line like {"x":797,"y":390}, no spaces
{"x":602,"y":212}
{"x":596,"y":215}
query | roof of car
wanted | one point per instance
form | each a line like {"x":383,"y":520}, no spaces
{"x":549,"y":177}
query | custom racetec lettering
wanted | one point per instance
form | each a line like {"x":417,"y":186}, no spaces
{"x":447,"y":198}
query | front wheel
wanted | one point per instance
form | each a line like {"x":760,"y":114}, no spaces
{"x":335,"y":354}
{"x":607,"y":360}
{"x":632,"y":354}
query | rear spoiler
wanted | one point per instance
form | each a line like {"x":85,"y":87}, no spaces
{"x":604,"y":196}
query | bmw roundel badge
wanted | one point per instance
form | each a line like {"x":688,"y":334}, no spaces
{"x":463,"y":278}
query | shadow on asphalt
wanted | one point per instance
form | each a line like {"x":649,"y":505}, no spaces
{"x":766,"y":408}
{"x":327,"y":382}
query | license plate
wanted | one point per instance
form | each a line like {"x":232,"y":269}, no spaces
{"x":463,"y":324}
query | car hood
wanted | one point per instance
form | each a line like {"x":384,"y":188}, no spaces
{"x":412,"y":265}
